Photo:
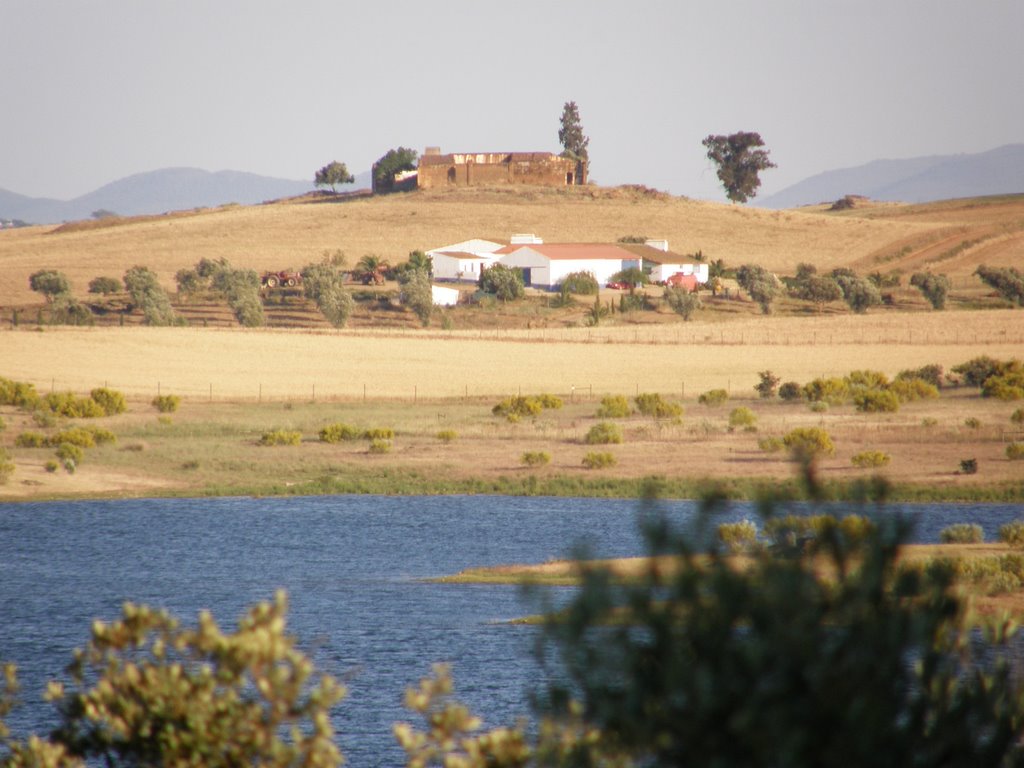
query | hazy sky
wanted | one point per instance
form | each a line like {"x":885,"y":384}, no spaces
{"x":94,"y":90}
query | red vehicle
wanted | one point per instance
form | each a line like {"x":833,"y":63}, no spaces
{"x":285,"y":277}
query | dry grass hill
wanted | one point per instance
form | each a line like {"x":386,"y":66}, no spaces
{"x":950,"y":237}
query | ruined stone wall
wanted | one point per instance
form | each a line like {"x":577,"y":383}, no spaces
{"x":488,"y":169}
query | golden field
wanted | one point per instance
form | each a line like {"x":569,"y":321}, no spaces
{"x":236,"y":383}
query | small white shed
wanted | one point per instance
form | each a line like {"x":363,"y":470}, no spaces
{"x":463,"y":261}
{"x":443,"y":296}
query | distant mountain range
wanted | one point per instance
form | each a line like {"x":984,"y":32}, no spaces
{"x":915,"y":180}
{"x":153,"y":192}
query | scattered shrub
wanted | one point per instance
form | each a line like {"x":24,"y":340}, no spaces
{"x":876,"y":401}
{"x":191,"y":464}
{"x":614,"y":407}
{"x":67,"y":404}
{"x":3,"y":424}
{"x":1015,"y":451}
{"x":66,"y":451}
{"x":514,"y":408}
{"x":379,"y":446}
{"x":962,"y":533}
{"x":165,"y":420}
{"x":599,"y":460}
{"x":652,"y":404}
{"x":930,"y":373}
{"x":869,"y":459}
{"x":972,"y":423}
{"x":770,"y":444}
{"x":281,"y":437}
{"x":51,"y":466}
{"x":447,"y":435}
{"x":1017,"y":417}
{"x":111,"y":401}
{"x":929,"y":421}
{"x":909,"y":390}
{"x":968,"y":466}
{"x":713,"y":397}
{"x":18,"y":393}
{"x":603,"y":433}
{"x":100,"y":435}
{"x":1012,"y":533}
{"x":806,"y":443}
{"x":1008,"y":386}
{"x":105,"y":285}
{"x":31,"y":440}
{"x":6,"y":466}
{"x":166,"y":403}
{"x":742,"y":417}
{"x":335,"y":433}
{"x":580,"y":283}
{"x":535,"y":458}
{"x":868,"y":379}
{"x":379,"y":433}
{"x":83,"y":438}
{"x":768,"y":385}
{"x":832,"y":391}
{"x":790,"y":391}
{"x":818,"y":406}
{"x":550,"y":402}
{"x":738,"y":537}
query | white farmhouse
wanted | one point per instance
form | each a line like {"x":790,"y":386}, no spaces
{"x":444,"y":296}
{"x":546,"y":265}
{"x":664,"y":263}
{"x":465,"y":260}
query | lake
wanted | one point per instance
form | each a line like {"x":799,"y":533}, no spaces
{"x":353,"y":567}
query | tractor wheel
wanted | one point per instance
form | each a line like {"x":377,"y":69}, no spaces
{"x":291,"y":282}
{"x":271,"y":282}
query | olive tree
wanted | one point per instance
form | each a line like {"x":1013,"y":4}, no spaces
{"x":50,"y":283}
{"x":417,"y":294}
{"x":762,"y":285}
{"x":326,"y":286}
{"x":504,"y":282}
{"x":681,"y":301}
{"x":933,"y":287}
{"x":332,"y":174}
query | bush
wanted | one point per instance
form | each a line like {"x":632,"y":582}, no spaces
{"x":819,"y":406}
{"x":378,"y":446}
{"x":972,"y":422}
{"x":105,"y":285}
{"x":51,"y":466}
{"x":281,"y":437}
{"x":768,"y":385}
{"x":870,"y":459}
{"x":1012,"y":533}
{"x":603,"y":433}
{"x":599,"y":460}
{"x":504,"y":282}
{"x":550,"y":402}
{"x":31,"y":440}
{"x":1017,"y":417}
{"x":379,"y":433}
{"x":6,"y":466}
{"x":447,"y":435}
{"x":166,"y":403}
{"x":1015,"y":451}
{"x":790,"y":391}
{"x":968,"y":466}
{"x":962,"y":533}
{"x":75,"y":436}
{"x":682,"y":301}
{"x":832,"y":391}
{"x":770,"y":444}
{"x":67,"y":404}
{"x":713,"y":397}
{"x":70,"y":452}
{"x":738,"y":537}
{"x":514,"y":408}
{"x":930,"y":373}
{"x":806,"y":443}
{"x":1008,"y":386}
{"x":614,"y":407}
{"x":580,"y":283}
{"x":652,"y":404}
{"x":18,"y":393}
{"x":111,"y":401}
{"x":149,"y":296}
{"x":535,"y":458}
{"x":911,"y":389}
{"x":742,"y":417}
{"x":876,"y":401}
{"x":335,"y":433}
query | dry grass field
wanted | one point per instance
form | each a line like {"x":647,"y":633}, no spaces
{"x":237,"y":382}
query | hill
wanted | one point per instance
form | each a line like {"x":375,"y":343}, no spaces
{"x":915,"y":180}
{"x":154,"y":192}
{"x":951,"y":237}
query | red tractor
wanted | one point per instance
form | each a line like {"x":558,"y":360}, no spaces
{"x":285,"y":277}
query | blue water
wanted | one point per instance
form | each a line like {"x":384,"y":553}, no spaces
{"x":353,"y":567}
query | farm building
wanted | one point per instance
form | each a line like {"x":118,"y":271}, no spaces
{"x":443,"y":296}
{"x":465,"y":260}
{"x":664,"y":263}
{"x":546,"y":265}
{"x":469,"y":169}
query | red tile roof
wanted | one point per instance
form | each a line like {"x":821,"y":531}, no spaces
{"x":574,"y":251}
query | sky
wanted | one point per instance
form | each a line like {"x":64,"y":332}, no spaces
{"x":96,"y":90}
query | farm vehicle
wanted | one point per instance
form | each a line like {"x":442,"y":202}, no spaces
{"x":285,"y":277}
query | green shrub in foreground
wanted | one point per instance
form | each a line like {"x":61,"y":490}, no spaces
{"x":870,"y":459}
{"x":18,"y":393}
{"x":1012,"y":533}
{"x":614,"y":407}
{"x":603,"y":433}
{"x":738,"y":537}
{"x":876,"y":401}
{"x":1015,"y":451}
{"x":70,"y":405}
{"x":378,"y":445}
{"x":70,"y":451}
{"x":281,"y":437}
{"x":805,"y":443}
{"x":962,"y":533}
{"x":535,"y":458}
{"x":166,"y":403}
{"x":111,"y":401}
{"x":599,"y":460}
{"x":790,"y":391}
{"x":742,"y":417}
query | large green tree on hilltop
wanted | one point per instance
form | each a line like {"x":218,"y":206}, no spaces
{"x":570,"y":133}
{"x":740,"y":159}
{"x":332,"y":174}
